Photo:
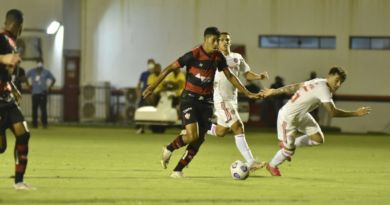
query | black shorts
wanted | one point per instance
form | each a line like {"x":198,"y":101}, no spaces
{"x":10,"y":116}
{"x":196,"y":111}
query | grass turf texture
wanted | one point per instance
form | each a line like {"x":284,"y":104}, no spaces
{"x":76,"y":165}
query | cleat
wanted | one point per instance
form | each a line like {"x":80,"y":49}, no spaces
{"x":177,"y":175}
{"x":166,"y":155}
{"x":257,"y":165}
{"x":274,"y":171}
{"x":23,"y":186}
{"x":281,"y":145}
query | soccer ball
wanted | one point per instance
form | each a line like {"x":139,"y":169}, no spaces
{"x":239,"y":170}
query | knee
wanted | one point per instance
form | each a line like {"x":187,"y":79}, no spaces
{"x":192,"y":136}
{"x":220,"y":133}
{"x":317,"y":139}
{"x":23,"y":139}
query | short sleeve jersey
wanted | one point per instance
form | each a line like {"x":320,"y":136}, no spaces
{"x":223,"y":89}
{"x":307,"y":98}
{"x":201,"y":68}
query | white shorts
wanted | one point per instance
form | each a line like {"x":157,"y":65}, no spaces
{"x":226,"y":113}
{"x":287,"y":129}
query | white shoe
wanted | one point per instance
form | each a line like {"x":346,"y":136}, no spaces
{"x":177,"y":175}
{"x":183,"y":132}
{"x":166,"y":156}
{"x":256,"y":165}
{"x":23,"y":186}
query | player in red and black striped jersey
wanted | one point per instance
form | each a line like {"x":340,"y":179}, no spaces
{"x":201,"y":64}
{"x":10,"y":114}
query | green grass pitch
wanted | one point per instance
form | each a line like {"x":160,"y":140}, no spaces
{"x":76,"y":165}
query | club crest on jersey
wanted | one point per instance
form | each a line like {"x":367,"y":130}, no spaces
{"x":235,"y":60}
{"x":187,"y":116}
{"x":200,"y":64}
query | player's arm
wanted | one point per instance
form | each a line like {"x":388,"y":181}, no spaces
{"x":10,"y":59}
{"x":288,"y":89}
{"x":149,"y":90}
{"x":337,"y":112}
{"x":237,"y":83}
{"x":256,"y":76}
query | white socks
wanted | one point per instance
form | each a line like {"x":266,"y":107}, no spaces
{"x":243,"y":147}
{"x":212,"y":129}
{"x":304,"y":141}
{"x":278,"y":158}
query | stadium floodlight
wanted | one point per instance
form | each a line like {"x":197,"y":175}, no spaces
{"x":53,"y":27}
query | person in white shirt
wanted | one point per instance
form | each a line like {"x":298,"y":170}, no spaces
{"x":295,"y":126}
{"x":225,"y":100}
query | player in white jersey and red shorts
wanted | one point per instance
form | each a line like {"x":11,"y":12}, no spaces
{"x":225,"y":100}
{"x":295,"y":126}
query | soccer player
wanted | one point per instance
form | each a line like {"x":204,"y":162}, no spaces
{"x":295,"y":126}
{"x":196,"y":106}
{"x":10,"y":114}
{"x":225,"y":100}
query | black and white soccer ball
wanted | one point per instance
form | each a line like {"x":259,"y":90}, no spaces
{"x":239,"y":170}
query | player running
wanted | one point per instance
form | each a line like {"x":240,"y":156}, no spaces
{"x":225,"y":100}
{"x":295,"y":126}
{"x":10,"y":114}
{"x":201,"y":63}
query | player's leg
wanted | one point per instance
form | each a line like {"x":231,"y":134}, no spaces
{"x":22,"y":135}
{"x":313,"y":135}
{"x":286,"y":134}
{"x":189,"y":117}
{"x":242,"y":145}
{"x":204,"y":121}
{"x":3,"y":141}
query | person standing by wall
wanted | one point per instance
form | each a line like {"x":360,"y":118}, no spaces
{"x":39,"y":77}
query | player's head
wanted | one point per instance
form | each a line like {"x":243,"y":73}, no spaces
{"x":211,"y":35}
{"x":224,"y":42}
{"x":336,"y":77}
{"x":14,"y":22}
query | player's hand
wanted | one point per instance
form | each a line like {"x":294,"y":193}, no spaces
{"x":264,"y":76}
{"x":148,"y":91}
{"x":11,"y":59}
{"x":267,"y":92}
{"x":363,"y":111}
{"x":253,"y":95}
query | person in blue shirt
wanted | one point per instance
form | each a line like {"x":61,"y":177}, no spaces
{"x":141,"y":86}
{"x":39,"y":78}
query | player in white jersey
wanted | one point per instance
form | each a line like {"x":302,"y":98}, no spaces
{"x":295,"y":126}
{"x":225,"y":100}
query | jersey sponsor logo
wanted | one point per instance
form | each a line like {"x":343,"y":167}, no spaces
{"x":187,"y":116}
{"x":204,"y":79}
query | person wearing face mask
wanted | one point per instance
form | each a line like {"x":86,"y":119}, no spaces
{"x":141,"y":86}
{"x":143,"y":81}
{"x":39,"y":77}
{"x":295,"y":126}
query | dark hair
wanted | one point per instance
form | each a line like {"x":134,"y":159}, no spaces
{"x":211,"y":31}
{"x":14,"y":16}
{"x":339,"y":71}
